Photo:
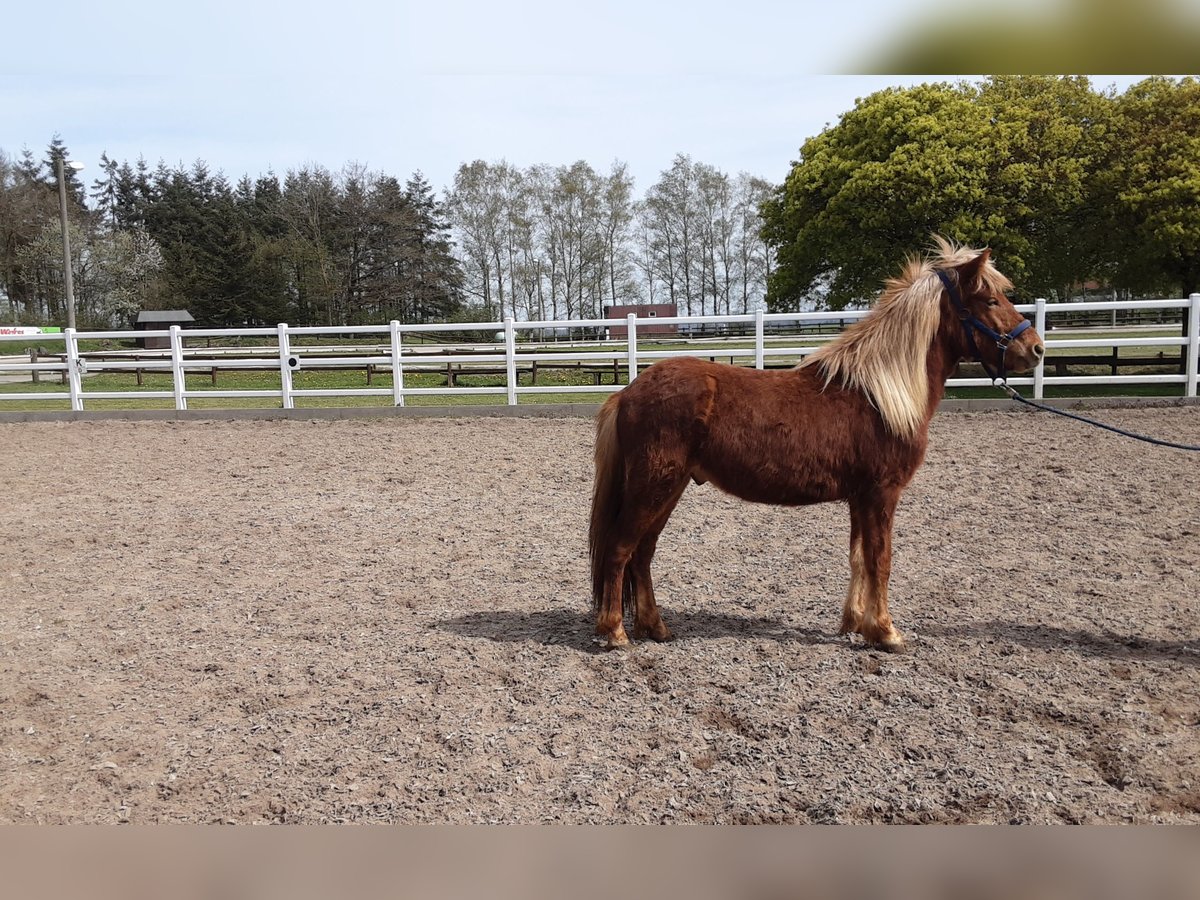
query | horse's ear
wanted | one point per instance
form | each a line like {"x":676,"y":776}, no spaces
{"x":969,"y":272}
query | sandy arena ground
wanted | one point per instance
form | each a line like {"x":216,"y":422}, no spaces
{"x":386,"y":620}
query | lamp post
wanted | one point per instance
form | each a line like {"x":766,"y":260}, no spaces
{"x":62,"y":212}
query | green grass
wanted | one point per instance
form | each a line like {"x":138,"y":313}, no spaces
{"x":1134,"y":350}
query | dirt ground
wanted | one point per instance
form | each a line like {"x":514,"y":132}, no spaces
{"x":386,"y":620}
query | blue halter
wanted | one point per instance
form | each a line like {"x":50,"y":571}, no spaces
{"x":972,"y":323}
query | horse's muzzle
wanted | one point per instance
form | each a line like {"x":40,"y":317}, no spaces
{"x":1023,"y":356}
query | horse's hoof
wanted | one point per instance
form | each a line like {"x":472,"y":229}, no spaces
{"x":892,"y":644}
{"x":659,"y":633}
{"x":611,"y":642}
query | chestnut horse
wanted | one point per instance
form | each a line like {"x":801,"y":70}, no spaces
{"x":850,"y":423}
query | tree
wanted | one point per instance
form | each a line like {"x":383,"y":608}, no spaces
{"x":134,"y":194}
{"x":670,"y":219}
{"x":260,"y":233}
{"x":754,"y":256}
{"x":106,"y":191}
{"x":1153,"y":185}
{"x":1050,"y":138}
{"x":433,"y":279}
{"x":476,"y":210}
{"x":31,"y":233}
{"x":616,"y":221}
{"x":1072,"y":35}
{"x":118,"y":277}
{"x":528,"y":263}
{"x":1011,"y":164}
{"x":309,"y":207}
{"x":75,"y":192}
{"x":571,"y":207}
{"x":714,"y":232}
{"x":25,"y":206}
{"x":902,"y":164}
{"x":39,"y":260}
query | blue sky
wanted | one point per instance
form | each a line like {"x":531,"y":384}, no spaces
{"x":395,"y":86}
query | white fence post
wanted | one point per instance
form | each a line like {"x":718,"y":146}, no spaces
{"x":73,"y":378}
{"x":1193,"y":344}
{"x":397,"y":366}
{"x":1039,"y":374}
{"x":177,"y":378}
{"x":758,"y":339}
{"x":510,"y":359}
{"x":285,"y":368}
{"x":631,"y":327}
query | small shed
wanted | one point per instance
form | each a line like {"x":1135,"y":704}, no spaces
{"x":643,"y":311}
{"x":159,"y":320}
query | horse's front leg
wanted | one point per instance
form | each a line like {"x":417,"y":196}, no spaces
{"x":647,"y":619}
{"x":875,"y":512}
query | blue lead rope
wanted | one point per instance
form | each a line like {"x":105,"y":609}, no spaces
{"x":1003,"y":385}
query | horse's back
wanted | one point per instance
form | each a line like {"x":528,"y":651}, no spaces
{"x":670,"y":400}
{"x":774,"y":436}
{"x":736,"y":395}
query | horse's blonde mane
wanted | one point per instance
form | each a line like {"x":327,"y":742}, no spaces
{"x":884,"y":354}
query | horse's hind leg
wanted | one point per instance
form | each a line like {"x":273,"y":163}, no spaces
{"x":647,"y":619}
{"x":638,"y":512}
{"x":852,"y":611}
{"x":610,"y":630}
{"x":649,"y":498}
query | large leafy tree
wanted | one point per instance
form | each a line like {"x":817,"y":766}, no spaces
{"x":902,"y":164}
{"x":1049,"y":139}
{"x":1011,"y":163}
{"x":1153,"y":185}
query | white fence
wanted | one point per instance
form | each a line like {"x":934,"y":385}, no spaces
{"x":394,"y":355}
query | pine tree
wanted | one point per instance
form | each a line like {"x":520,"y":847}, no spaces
{"x":435,"y":278}
{"x":105,"y":192}
{"x":55,"y":152}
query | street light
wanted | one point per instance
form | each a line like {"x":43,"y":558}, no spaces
{"x":62,"y":212}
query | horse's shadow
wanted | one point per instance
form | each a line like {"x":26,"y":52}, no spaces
{"x":573,"y":628}
{"x":1103,"y":644}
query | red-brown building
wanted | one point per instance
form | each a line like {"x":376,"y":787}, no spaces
{"x":645,"y":313}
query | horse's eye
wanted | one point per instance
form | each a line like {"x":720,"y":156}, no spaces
{"x":992,"y":301}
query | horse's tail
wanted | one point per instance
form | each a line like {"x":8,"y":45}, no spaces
{"x":606,"y":497}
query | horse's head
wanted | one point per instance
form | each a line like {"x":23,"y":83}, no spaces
{"x":993,"y":332}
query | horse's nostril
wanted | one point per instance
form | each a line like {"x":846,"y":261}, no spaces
{"x":1039,"y":351}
